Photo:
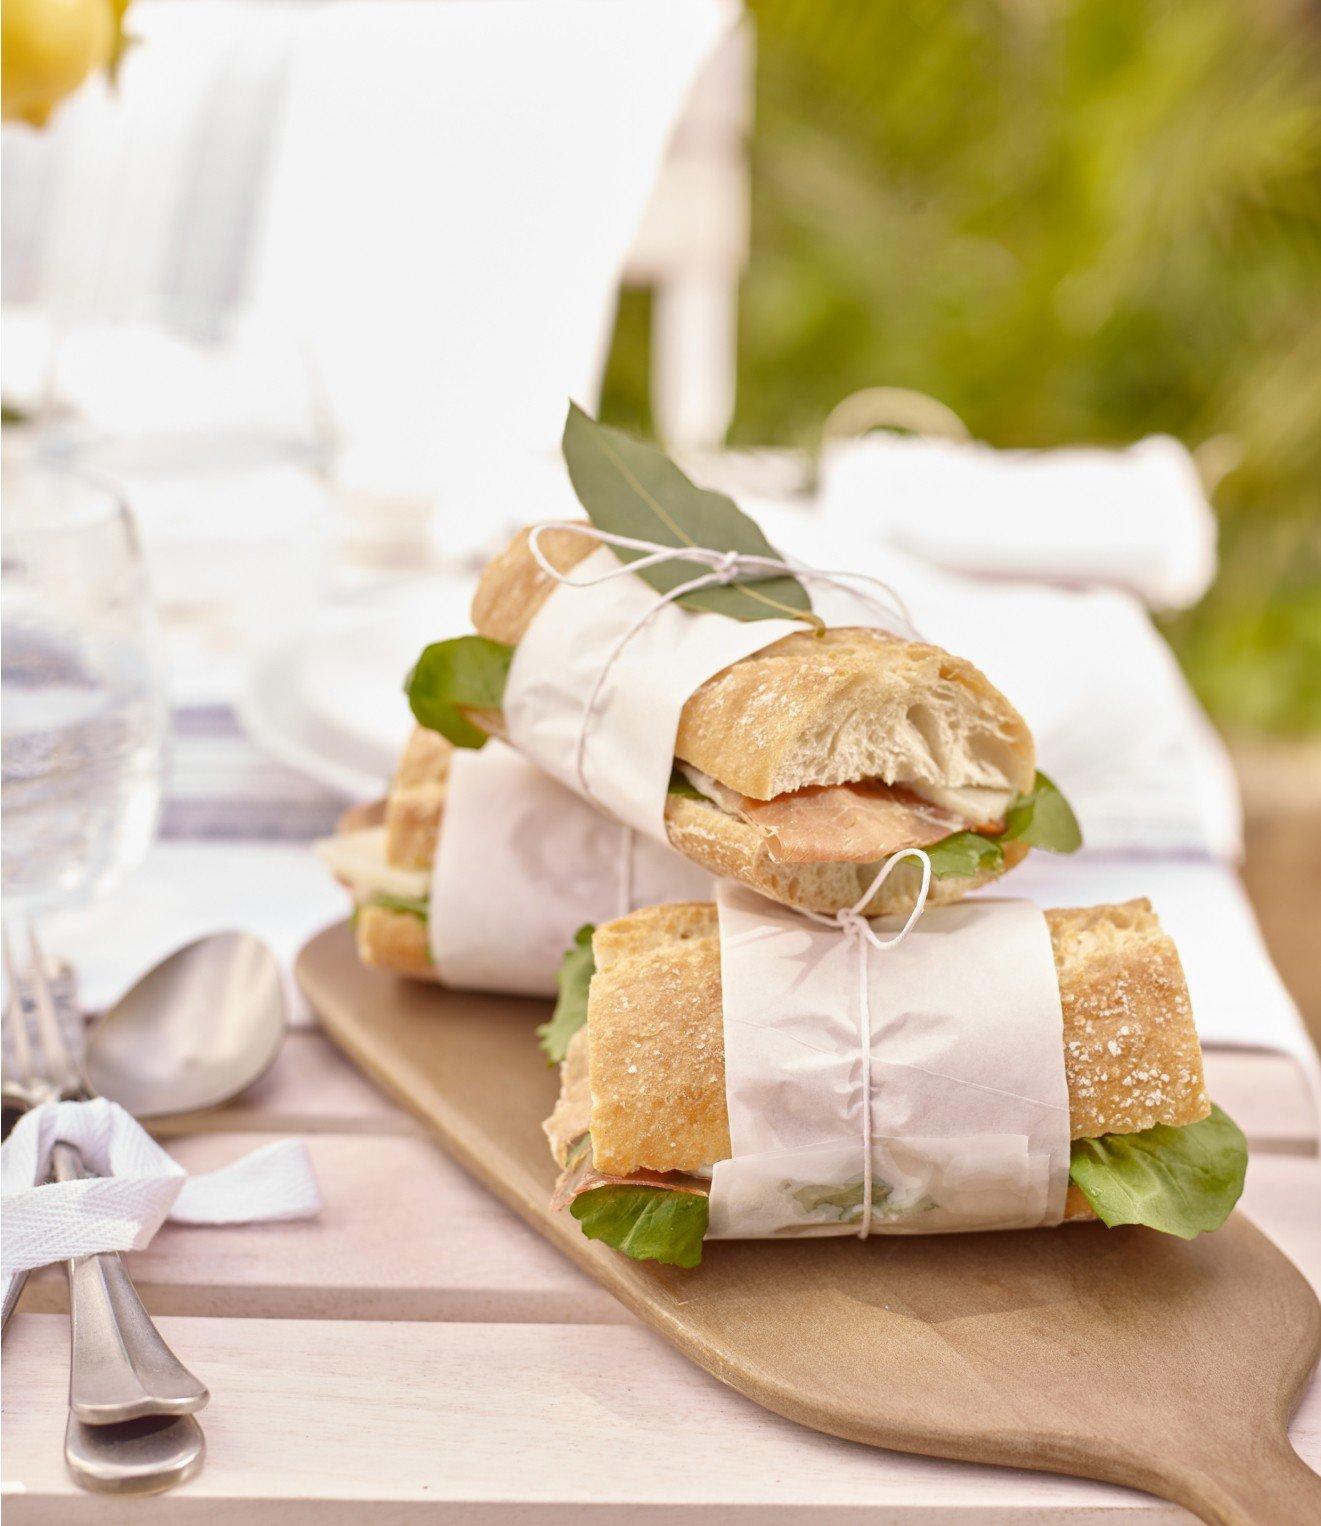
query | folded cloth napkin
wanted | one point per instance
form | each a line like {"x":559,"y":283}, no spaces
{"x":139,"y":1187}
{"x":1136,"y":518}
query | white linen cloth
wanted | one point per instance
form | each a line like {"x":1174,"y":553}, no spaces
{"x":523,"y":863}
{"x":1135,"y":519}
{"x":827,"y":1063}
{"x":138,"y":1188}
{"x":452,"y":194}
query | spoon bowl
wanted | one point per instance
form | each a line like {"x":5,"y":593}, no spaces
{"x":196,"y":1030}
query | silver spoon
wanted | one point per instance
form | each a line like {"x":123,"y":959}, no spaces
{"x":196,"y":1030}
{"x":135,"y":1457}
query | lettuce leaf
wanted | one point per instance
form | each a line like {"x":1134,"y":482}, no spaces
{"x":1044,"y":819}
{"x":466,"y":673}
{"x":965,"y":854}
{"x":414,"y":906}
{"x":647,"y":1223}
{"x":678,"y":785}
{"x":1180,"y":1181}
{"x":575,"y":975}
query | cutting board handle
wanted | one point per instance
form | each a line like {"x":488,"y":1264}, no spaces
{"x":1260,"y":1483}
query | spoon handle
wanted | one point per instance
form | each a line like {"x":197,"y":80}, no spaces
{"x":120,"y":1367}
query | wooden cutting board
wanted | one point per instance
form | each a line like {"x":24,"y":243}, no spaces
{"x":1118,"y":1354}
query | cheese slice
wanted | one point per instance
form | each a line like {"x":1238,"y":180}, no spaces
{"x":358,"y":858}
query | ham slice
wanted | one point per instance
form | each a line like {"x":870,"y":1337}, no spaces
{"x":580,"y":1176}
{"x":847,"y":823}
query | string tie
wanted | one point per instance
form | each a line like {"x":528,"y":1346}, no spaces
{"x":857,"y":930}
{"x":722,"y":569}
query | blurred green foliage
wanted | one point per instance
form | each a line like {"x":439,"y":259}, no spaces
{"x":1071,"y":220}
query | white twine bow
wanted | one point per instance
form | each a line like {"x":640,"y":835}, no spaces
{"x":852,"y":922}
{"x":138,"y":1187}
{"x":725,"y":567}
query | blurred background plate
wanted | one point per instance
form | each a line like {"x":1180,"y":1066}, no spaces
{"x":329,"y":701}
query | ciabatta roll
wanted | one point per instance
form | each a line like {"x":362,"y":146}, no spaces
{"x":811,"y":761}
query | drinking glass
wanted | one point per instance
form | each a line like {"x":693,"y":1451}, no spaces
{"x":82,"y":708}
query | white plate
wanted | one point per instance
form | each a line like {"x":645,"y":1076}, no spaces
{"x":329,"y":700}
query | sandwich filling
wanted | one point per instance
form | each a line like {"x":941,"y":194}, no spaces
{"x":866,"y":821}
{"x":855,"y":823}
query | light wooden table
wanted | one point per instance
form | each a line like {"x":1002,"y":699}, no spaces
{"x":418,"y":1355}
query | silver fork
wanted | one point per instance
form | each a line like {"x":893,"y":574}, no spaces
{"x":120,"y":1367}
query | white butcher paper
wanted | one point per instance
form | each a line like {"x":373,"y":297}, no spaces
{"x":970,"y":1108}
{"x":521,"y":864}
{"x":629,"y":753}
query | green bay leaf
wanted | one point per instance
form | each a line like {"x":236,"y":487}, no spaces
{"x":632,"y":489}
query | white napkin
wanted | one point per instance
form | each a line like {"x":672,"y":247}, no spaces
{"x":1135,"y":519}
{"x":139,"y":1186}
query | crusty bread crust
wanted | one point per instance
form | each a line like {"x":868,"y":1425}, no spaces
{"x":656,"y":1033}
{"x":831,"y":706}
{"x":417,"y":800}
{"x":812,"y":707}
{"x":513,"y":587}
{"x":394,"y":941}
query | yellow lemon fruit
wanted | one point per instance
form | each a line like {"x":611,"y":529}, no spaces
{"x":50,"y":47}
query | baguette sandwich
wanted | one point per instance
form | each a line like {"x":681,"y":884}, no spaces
{"x":798,"y":771}
{"x":383,"y":857}
{"x":641,"y":1116}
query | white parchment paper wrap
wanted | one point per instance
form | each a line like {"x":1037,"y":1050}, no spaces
{"x":522,"y":863}
{"x":969,"y":1105}
{"x":629,"y":751}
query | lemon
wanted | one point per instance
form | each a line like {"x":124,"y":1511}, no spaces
{"x":50,"y":47}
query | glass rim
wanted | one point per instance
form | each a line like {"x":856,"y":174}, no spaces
{"x":81,"y":497}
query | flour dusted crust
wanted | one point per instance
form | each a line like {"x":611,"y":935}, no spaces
{"x":838,"y":705}
{"x":812,"y":707}
{"x":1131,"y":1051}
{"x":656,"y":1033}
{"x":657,"y":1048}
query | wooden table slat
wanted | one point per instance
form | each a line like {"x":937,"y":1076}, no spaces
{"x":499,"y":1419}
{"x":407,"y":1235}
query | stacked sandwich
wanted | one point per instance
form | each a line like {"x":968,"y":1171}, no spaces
{"x":843,"y":767}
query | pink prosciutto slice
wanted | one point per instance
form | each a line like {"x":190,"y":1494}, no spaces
{"x":847,"y":823}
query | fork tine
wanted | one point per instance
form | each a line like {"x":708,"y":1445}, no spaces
{"x":61,"y":1067}
{"x":17,"y":1042}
